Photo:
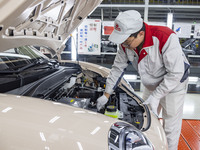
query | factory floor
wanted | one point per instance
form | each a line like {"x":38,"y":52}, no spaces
{"x":190,"y":133}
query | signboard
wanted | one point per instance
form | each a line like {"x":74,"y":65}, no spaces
{"x":197,"y":31}
{"x":183,"y":30}
{"x":108,"y":27}
{"x":89,"y":37}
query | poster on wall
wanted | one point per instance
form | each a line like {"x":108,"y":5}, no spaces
{"x":107,"y":27}
{"x":183,"y":30}
{"x":197,"y":31}
{"x":89,"y":35}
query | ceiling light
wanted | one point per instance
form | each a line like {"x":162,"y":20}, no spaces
{"x":73,"y":46}
{"x":169,"y":20}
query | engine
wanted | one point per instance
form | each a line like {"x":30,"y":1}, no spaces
{"x":83,"y":90}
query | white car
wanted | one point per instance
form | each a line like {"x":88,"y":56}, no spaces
{"x":51,"y":104}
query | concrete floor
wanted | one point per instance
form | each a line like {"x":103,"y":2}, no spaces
{"x":191,"y":109}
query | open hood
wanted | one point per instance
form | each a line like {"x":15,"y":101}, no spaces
{"x":41,"y":22}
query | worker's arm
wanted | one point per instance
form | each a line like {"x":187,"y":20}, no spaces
{"x":176,"y":65}
{"x":114,"y":77}
{"x":117,"y":71}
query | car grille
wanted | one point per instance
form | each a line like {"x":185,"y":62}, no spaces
{"x":114,"y":138}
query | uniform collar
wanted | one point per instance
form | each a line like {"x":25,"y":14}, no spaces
{"x":148,"y":40}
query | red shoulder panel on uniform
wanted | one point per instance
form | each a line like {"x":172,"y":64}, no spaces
{"x":162,"y":33}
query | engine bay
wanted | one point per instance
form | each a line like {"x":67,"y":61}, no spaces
{"x":83,"y":90}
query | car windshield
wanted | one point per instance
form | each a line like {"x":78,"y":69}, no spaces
{"x":21,"y":57}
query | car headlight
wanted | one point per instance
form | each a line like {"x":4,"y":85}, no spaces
{"x":123,"y":136}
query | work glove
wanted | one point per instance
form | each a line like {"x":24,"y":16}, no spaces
{"x":153,"y":102}
{"x":101,"y":101}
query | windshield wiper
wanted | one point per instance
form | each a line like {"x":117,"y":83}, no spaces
{"x":36,"y":62}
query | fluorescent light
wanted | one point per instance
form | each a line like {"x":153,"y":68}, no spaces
{"x":54,"y":119}
{"x":106,"y":121}
{"x":79,"y":112}
{"x":79,"y":146}
{"x":73,"y":46}
{"x":193,"y":79}
{"x":130,"y":78}
{"x":90,"y":112}
{"x":42,"y":137}
{"x":169,"y":20}
{"x":116,"y":139}
{"x":95,"y":130}
{"x":160,"y":133}
{"x":47,"y":148}
{"x":56,"y":103}
{"x":6,"y":109}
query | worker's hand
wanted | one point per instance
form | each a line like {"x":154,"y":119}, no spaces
{"x":101,"y":101}
{"x":153,"y":102}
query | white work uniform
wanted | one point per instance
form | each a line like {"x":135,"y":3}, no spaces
{"x":163,"y":69}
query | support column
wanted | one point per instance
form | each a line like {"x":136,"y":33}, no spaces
{"x":146,"y":10}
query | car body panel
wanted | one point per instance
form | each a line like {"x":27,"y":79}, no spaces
{"x":30,"y":123}
{"x":41,"y":22}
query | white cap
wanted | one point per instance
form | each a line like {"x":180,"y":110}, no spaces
{"x":126,"y":23}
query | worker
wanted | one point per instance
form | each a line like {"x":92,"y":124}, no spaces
{"x":156,"y":54}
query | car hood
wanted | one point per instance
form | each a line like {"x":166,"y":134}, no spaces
{"x":30,"y":123}
{"x":41,"y":22}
